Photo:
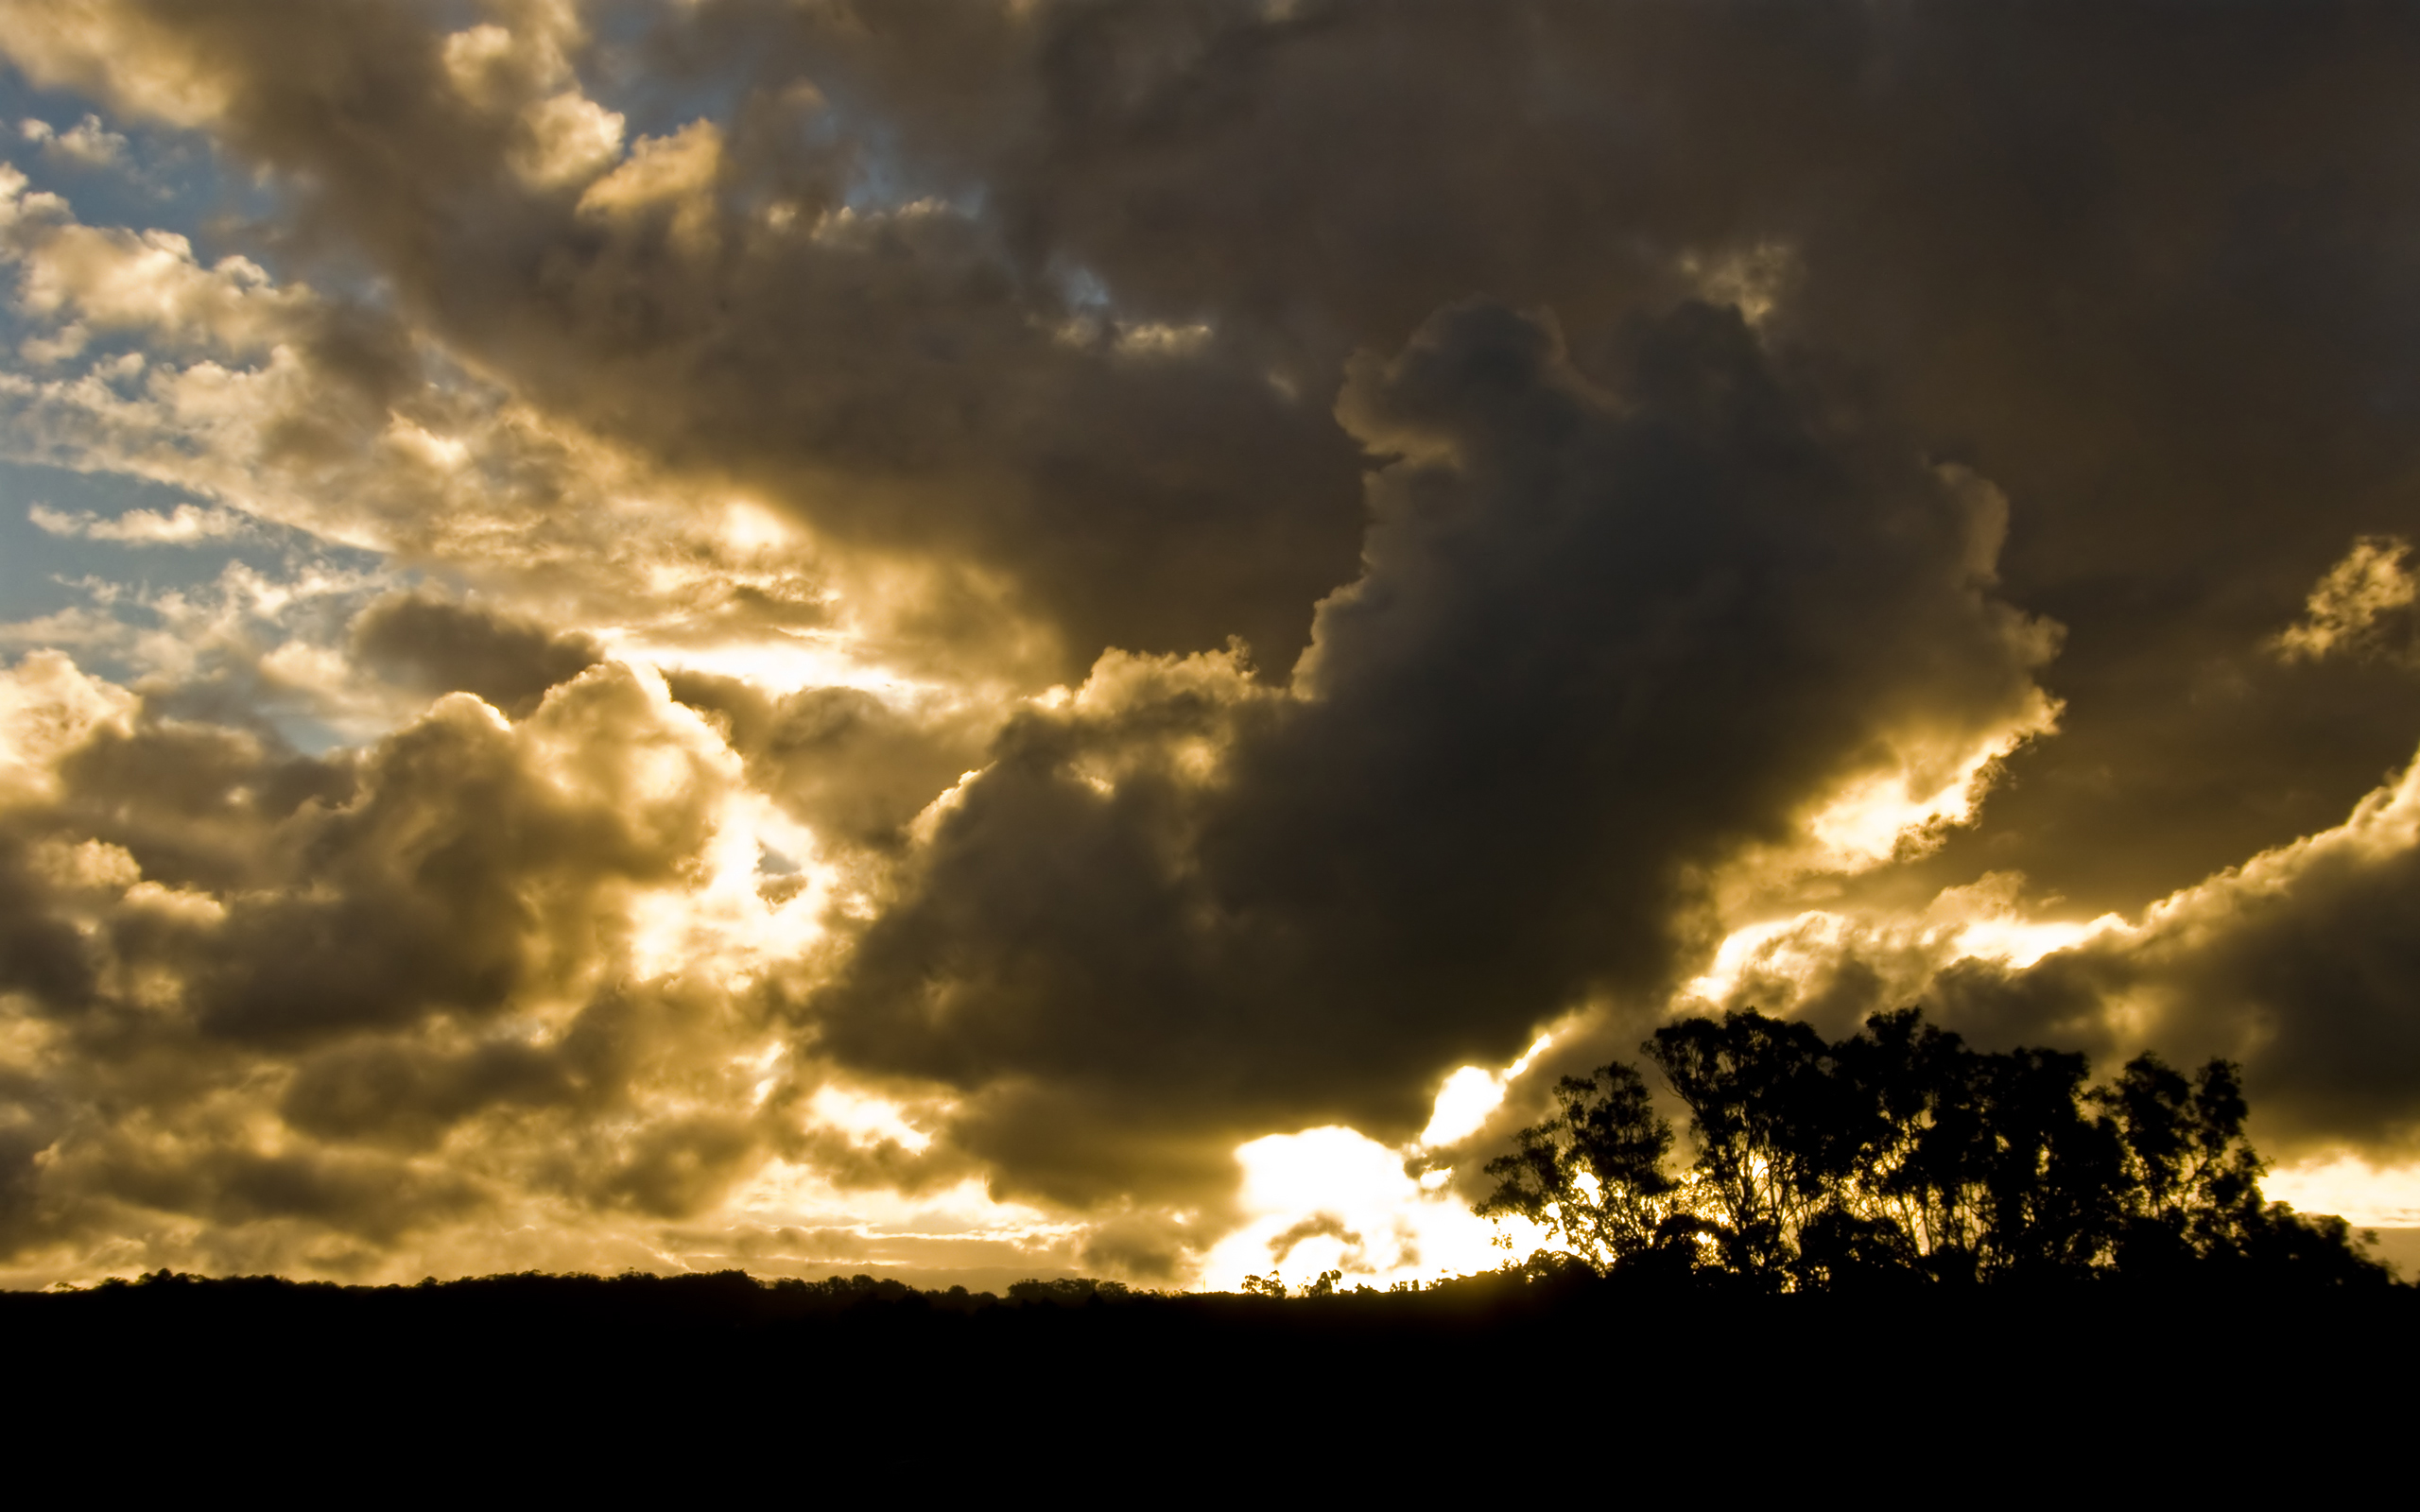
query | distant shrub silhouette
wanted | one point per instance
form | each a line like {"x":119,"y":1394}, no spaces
{"x":1902,"y":1157}
{"x":1067,"y":1291}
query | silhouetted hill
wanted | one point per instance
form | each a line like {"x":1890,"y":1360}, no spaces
{"x":1532,"y":1313}
{"x":535,"y":1383}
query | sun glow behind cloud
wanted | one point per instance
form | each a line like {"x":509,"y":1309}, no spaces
{"x":1334,"y":1198}
{"x":1471,"y":1093}
{"x":2364,"y":1194}
{"x":1906,"y":805}
{"x":778,"y":662}
{"x":738,"y":916}
{"x":1978,"y":922}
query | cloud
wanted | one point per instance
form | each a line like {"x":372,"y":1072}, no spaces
{"x":352,"y":1008}
{"x":2294,"y":963}
{"x":92,"y":279}
{"x":903,"y":387}
{"x":2344,"y":612}
{"x":853,"y":769}
{"x":435,"y":647}
{"x":1128,"y":580}
{"x":898,"y":389}
{"x":313,"y":975}
{"x":88,"y":143}
{"x":183,"y":526}
{"x":351,"y":429}
{"x":49,"y":707}
{"x":1441,"y":832}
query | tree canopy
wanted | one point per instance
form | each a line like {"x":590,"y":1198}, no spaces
{"x":1903,"y":1156}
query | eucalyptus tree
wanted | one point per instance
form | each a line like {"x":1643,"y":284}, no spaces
{"x":1901,"y":1155}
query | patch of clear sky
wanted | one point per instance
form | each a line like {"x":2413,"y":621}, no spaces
{"x":177,"y":181}
{"x":165,"y":179}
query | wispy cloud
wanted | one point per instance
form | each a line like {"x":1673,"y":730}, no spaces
{"x":186,"y":525}
{"x":88,"y":143}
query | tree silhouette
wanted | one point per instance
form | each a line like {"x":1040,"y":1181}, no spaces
{"x":1592,"y":1175}
{"x":2195,"y":1181}
{"x":1900,"y":1156}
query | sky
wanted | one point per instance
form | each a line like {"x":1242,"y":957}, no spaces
{"x":965,"y":639}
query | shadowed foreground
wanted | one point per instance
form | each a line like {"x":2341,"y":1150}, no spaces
{"x":725,"y":1352}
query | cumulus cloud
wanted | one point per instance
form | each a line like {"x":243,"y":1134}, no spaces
{"x":899,"y":386}
{"x":2294,"y":963}
{"x":904,"y":387}
{"x":1605,"y":639}
{"x":88,"y":143}
{"x":853,"y":769}
{"x":438,"y":646}
{"x":89,"y":279}
{"x":372,"y":953}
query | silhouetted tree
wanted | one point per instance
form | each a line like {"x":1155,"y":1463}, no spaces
{"x":1593,"y":1175}
{"x":1772,"y":1134}
{"x":2194,"y":1182}
{"x":1901,"y":1155}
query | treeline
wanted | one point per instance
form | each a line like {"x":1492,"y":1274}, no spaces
{"x":1902,"y":1158}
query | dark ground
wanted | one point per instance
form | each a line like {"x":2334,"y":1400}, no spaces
{"x":1524,"y":1370}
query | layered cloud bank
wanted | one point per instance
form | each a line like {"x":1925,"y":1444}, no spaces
{"x":987,"y":638}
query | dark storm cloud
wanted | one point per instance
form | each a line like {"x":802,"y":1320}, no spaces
{"x":191,"y":801}
{"x":2296,"y":964}
{"x":571,"y":1113}
{"x":446,"y":868}
{"x":434,"y":647}
{"x":2146,"y":267}
{"x":462,"y":873}
{"x":1604,"y":638}
{"x":841,"y":761}
{"x":2299,"y":964}
{"x":40,"y":956}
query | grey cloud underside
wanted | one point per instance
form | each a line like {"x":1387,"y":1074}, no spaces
{"x":1604,"y":638}
{"x":2146,"y":267}
{"x":841,"y":761}
{"x":2308,"y":987}
{"x":2311,"y":989}
{"x":433,"y":647}
{"x":1551,"y":611}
